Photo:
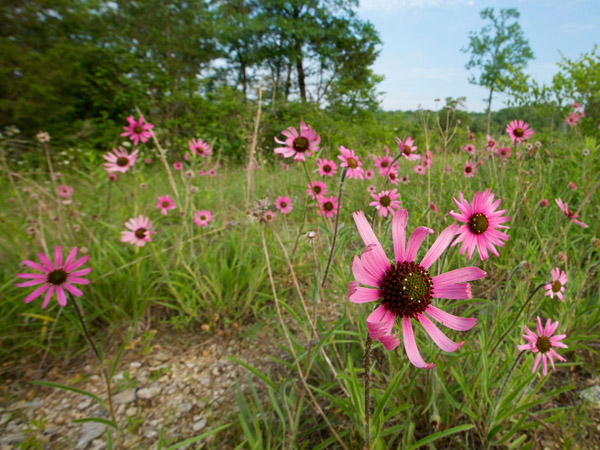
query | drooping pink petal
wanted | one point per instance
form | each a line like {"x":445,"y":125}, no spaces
{"x":369,"y":238}
{"x":440,"y":244}
{"x":453,"y":291}
{"x":73,"y":290}
{"x":364,"y":295}
{"x":362,"y":274}
{"x":60,"y":296}
{"x":410,"y":345}
{"x":380,"y":322}
{"x":414,"y":242}
{"x":390,"y":342}
{"x":48,"y":296}
{"x":440,"y":339}
{"x":450,"y":320}
{"x":36,"y":293}
{"x":399,"y":221}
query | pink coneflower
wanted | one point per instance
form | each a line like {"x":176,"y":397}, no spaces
{"x":404,"y":179}
{"x":269,"y":216}
{"x":119,"y":160}
{"x":351,"y":161}
{"x":383,"y":163}
{"x":371,"y":189}
{"x":519,"y":131}
{"x":572,"y":119}
{"x":138,"y":130}
{"x":469,"y":148}
{"x":433,"y":207}
{"x":408,"y":148}
{"x":139,"y":231}
{"x":576,"y":106}
{"x":557,"y":287}
{"x":212,"y":173}
{"x":164,"y":204}
{"x":386,"y":202}
{"x":316,"y":188}
{"x":392,"y":175}
{"x":327,"y":168}
{"x":200,"y":147}
{"x":148,"y":160}
{"x":448,"y":169}
{"x":178,"y":165}
{"x":482,"y":222}
{"x":55,"y":278}
{"x":503,"y":151}
{"x":65,"y":191}
{"x":570,"y":214}
{"x":368,"y":174}
{"x":543,"y":343}
{"x":202,"y":218}
{"x":284,"y":204}
{"x":328,"y":206}
{"x":201,"y":173}
{"x":471,"y":136}
{"x":186,"y":156}
{"x":544,"y":202}
{"x":113,"y":177}
{"x":491,"y":143}
{"x":299,"y":145}
{"x":421,"y":170}
{"x":406,"y":289}
{"x":572,"y":186}
{"x":469,"y":169}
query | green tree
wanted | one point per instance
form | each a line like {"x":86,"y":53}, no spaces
{"x":495,"y":49}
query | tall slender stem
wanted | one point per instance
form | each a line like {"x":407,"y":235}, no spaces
{"x":367,"y":445}
{"x":97,"y":353}
{"x":335,"y":230}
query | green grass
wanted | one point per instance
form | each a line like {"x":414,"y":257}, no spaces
{"x":218,"y":276}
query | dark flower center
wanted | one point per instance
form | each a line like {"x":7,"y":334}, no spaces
{"x":122,"y":161}
{"x":543,"y":344}
{"x":352,"y":163}
{"x":165,"y":204}
{"x":140,"y":233}
{"x":269,"y":216}
{"x":478,"y":223}
{"x":556,"y":286}
{"x":57,"y":277}
{"x":406,"y":289}
{"x":392,"y":176}
{"x":328,"y":206}
{"x":283,"y":204}
{"x":327,"y":168}
{"x":519,"y":132}
{"x":317,"y":189}
{"x":138,"y":129}
{"x":503,"y":152}
{"x":300,"y":144}
{"x":384,"y":163}
{"x":468,"y":169}
{"x":202,"y":217}
{"x":407,"y":150}
{"x":385,"y":201}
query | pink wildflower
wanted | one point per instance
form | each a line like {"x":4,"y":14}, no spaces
{"x":113,"y":177}
{"x":544,"y":202}
{"x":65,"y":191}
{"x":269,"y":216}
{"x":433,"y":207}
{"x":408,"y":148}
{"x":138,"y":130}
{"x":178,"y":165}
{"x":572,"y":186}
{"x":55,"y":278}
{"x":482,"y":224}
{"x":201,"y":173}
{"x":557,"y":287}
{"x":326,"y":167}
{"x":119,"y":160}
{"x":383,"y":163}
{"x":284,"y":204}
{"x":164,"y":204}
{"x":212,"y":172}
{"x":421,"y":170}
{"x":406,"y":289}
{"x":570,"y":214}
{"x":543,"y":344}
{"x":139,"y":231}
{"x":519,"y":131}
{"x":351,"y":161}
{"x":202,"y":218}
{"x":469,"y":148}
{"x":469,"y":169}
{"x":148,"y":160}
{"x":328,"y":206}
{"x":491,"y":143}
{"x":371,"y":189}
{"x":404,"y":179}
{"x":316,"y":188}
{"x":368,"y":174}
{"x":200,"y":147}
{"x":386,"y":202}
{"x":503,"y":151}
{"x":299,"y":145}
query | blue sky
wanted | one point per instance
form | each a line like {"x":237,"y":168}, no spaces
{"x":421,"y":58}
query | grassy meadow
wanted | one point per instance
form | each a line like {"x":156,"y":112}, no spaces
{"x":226,"y":281}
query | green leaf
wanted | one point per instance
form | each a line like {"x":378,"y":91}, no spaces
{"x":198,"y":438}
{"x":439,"y":435}
{"x":101,"y":420}
{"x":70,"y":388}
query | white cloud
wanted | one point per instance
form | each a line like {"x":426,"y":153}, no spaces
{"x":398,"y":5}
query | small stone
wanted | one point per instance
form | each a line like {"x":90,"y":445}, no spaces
{"x":131,"y":411}
{"x":150,"y":434}
{"x":127,"y":396}
{"x":135,"y":365}
{"x":5,"y":418}
{"x":89,"y":431}
{"x":149,"y":392}
{"x":592,"y":395}
{"x":199,"y":425}
{"x":184,"y":408}
{"x":60,"y":419}
{"x":84,"y":404}
{"x":98,"y":444}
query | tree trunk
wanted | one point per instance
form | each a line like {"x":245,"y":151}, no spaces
{"x":489,"y":110}
{"x":288,"y":80}
{"x":300,"y":70}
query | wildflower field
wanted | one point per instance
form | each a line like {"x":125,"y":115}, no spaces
{"x":263,"y":271}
